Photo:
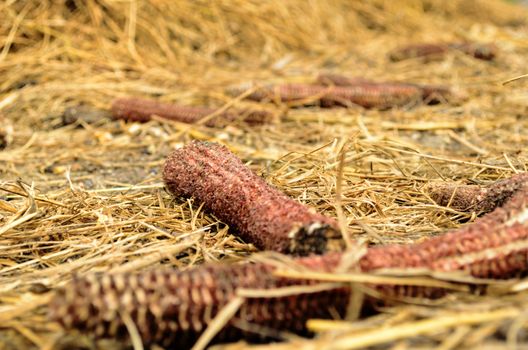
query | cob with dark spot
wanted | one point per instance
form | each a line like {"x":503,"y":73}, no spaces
{"x":486,"y":52}
{"x":142,"y":110}
{"x":174,"y":307}
{"x":366,"y":95}
{"x":431,"y":94}
{"x":437,"y":50}
{"x":261,"y":214}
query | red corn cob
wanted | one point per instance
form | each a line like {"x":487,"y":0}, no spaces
{"x":430,"y":51}
{"x":261,"y":214}
{"x":366,"y":95}
{"x":431,"y":94}
{"x":174,"y":307}
{"x":141,"y":110}
{"x":481,"y":199}
{"x":503,"y":231}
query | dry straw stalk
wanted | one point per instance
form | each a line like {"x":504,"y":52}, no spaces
{"x":98,"y":192}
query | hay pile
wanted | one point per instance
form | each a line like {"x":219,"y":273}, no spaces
{"x":81,"y":192}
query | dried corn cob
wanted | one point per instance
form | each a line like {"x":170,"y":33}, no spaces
{"x":261,"y":214}
{"x":432,"y":51}
{"x":366,"y":95}
{"x":173,"y":308}
{"x":141,"y":110}
{"x":504,"y":229}
{"x":427,"y":51}
{"x":431,"y":94}
{"x":482,"y":199}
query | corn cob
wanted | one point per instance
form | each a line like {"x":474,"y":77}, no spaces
{"x":367,"y":95}
{"x":481,"y":199}
{"x":431,"y":94}
{"x":260,"y":214}
{"x":431,"y":51}
{"x":141,"y":110}
{"x":173,"y":307}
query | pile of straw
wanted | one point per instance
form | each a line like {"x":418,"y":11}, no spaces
{"x":80,"y":192}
